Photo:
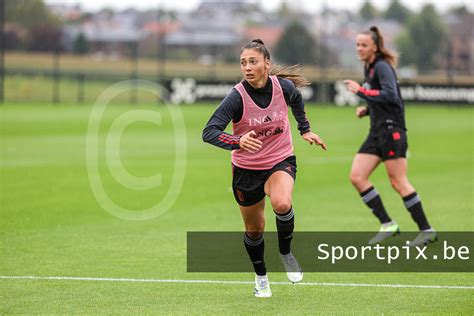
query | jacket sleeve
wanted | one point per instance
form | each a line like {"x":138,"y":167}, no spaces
{"x":388,"y":82}
{"x":295,"y":101}
{"x":214,"y":133}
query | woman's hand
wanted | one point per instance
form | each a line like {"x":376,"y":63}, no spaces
{"x":249,"y":143}
{"x":312,"y":138}
{"x":352,"y":86}
{"x":361,"y":111}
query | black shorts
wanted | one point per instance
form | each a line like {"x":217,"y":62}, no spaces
{"x":248,"y":185}
{"x":387,"y":144}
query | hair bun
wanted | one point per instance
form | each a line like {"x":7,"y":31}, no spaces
{"x":257,"y":40}
{"x":374,"y":29}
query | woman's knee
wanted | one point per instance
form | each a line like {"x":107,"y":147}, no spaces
{"x":357,"y":179}
{"x":398,"y":183}
{"x":281,"y":205}
{"x":254,"y":232}
{"x":401,"y":185}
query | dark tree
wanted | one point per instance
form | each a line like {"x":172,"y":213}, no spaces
{"x":424,"y":38}
{"x":296,"y":45}
{"x":81,"y":45}
{"x":397,"y":11}
{"x":367,"y":11}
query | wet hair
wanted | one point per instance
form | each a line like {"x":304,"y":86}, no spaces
{"x":291,"y":73}
{"x":390,"y":56}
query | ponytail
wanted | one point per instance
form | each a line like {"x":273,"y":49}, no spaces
{"x":390,"y":56}
{"x":291,"y":73}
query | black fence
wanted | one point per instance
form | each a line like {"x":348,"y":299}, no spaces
{"x":84,"y":88}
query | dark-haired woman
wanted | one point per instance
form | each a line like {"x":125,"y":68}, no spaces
{"x":387,"y":139}
{"x":263,"y":162}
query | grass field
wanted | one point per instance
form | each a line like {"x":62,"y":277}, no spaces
{"x":92,"y":64}
{"x":39,"y":89}
{"x":52,"y":225}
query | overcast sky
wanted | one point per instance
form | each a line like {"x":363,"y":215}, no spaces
{"x":310,"y":5}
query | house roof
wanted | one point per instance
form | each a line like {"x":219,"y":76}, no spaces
{"x":108,"y":32}
{"x":202,"y":39}
{"x":270,"y":35}
{"x":203,"y":30}
{"x":162,"y":27}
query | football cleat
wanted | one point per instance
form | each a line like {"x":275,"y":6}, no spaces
{"x":386,"y":230}
{"x":424,"y":238}
{"x":293,"y":269}
{"x":262,"y":286}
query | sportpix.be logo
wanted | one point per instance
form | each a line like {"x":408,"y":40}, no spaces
{"x":388,"y":253}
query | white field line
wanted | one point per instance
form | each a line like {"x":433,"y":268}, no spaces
{"x":63,"y":278}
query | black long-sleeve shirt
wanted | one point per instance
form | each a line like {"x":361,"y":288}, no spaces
{"x":231,"y":109}
{"x":382,"y":94}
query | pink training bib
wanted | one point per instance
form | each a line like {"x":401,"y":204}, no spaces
{"x":271,"y":126}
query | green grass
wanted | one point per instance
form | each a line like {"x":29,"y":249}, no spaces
{"x":41,"y":89}
{"x":52,"y":225}
{"x":93,"y":64}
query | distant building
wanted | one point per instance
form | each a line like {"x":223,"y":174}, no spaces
{"x":206,"y":34}
{"x":270,"y":35}
{"x":152,"y":45}
{"x":460,"y":55}
{"x":108,"y":37}
{"x":343,"y":40}
{"x":161,"y":28}
{"x":212,"y":6}
{"x":67,"y":12}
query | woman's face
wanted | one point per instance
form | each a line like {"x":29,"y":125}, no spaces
{"x":366,"y":48}
{"x":254,"y":67}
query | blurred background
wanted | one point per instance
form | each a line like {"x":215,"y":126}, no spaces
{"x":69,"y":51}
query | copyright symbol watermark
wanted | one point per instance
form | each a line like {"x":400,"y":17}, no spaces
{"x":112,"y":152}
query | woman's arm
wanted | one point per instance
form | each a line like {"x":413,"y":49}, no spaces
{"x":228,"y":110}
{"x":388,"y":82}
{"x":295,"y":101}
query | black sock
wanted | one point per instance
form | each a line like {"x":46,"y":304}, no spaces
{"x":372,"y":199}
{"x":285,"y":224}
{"x":413,"y":205}
{"x":255,"y":248}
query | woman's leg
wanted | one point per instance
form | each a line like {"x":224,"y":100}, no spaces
{"x":397,"y":173}
{"x":279,"y":187}
{"x":362,"y":167}
{"x":254,"y":222}
{"x":254,"y":219}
